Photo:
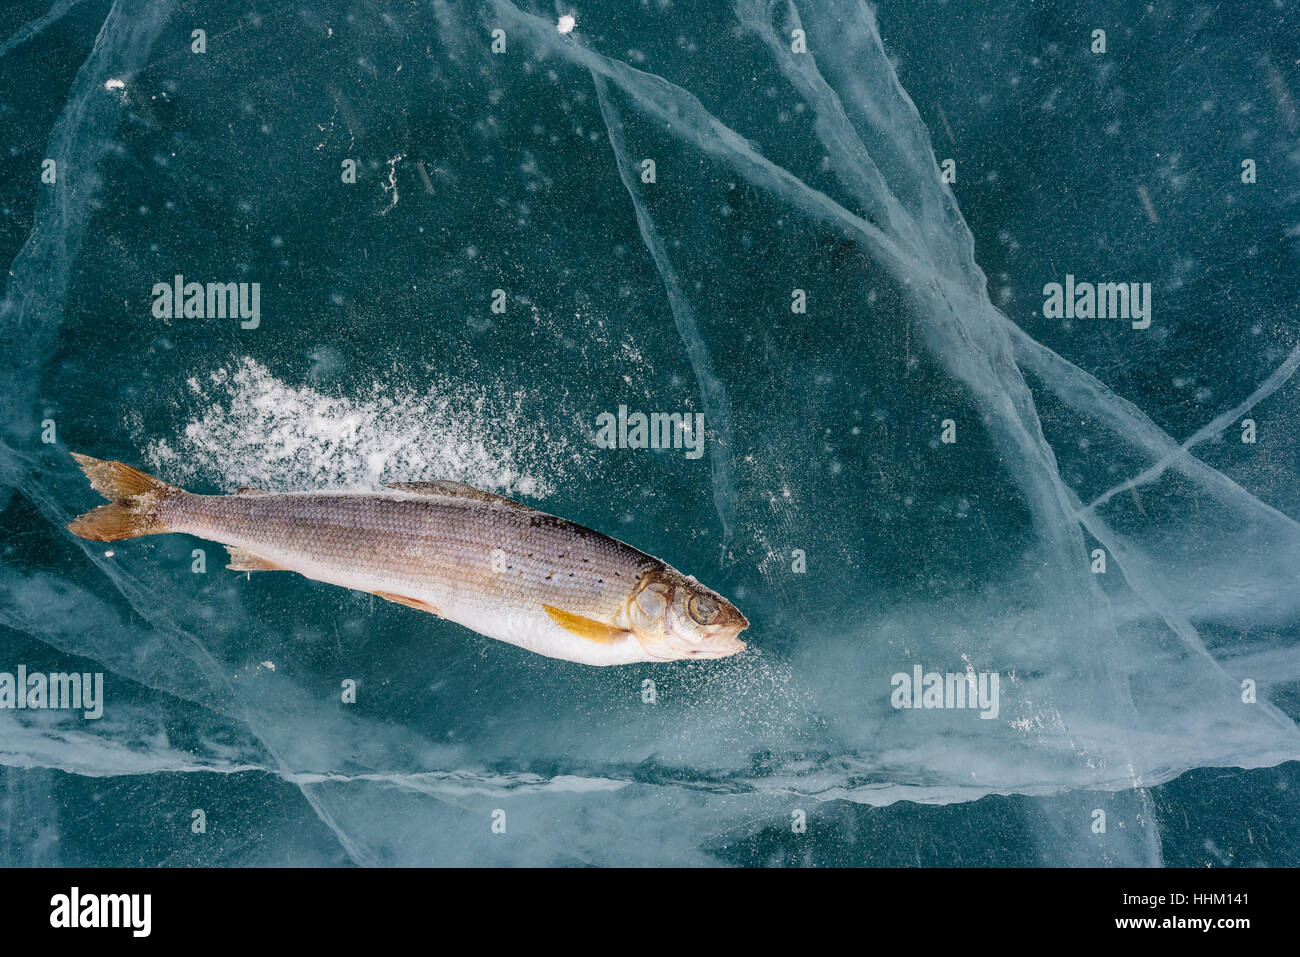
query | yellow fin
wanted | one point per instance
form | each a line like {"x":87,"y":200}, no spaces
{"x":242,"y":560}
{"x":118,"y":482}
{"x":409,"y":602}
{"x":585,"y":627}
{"x":134,"y":497}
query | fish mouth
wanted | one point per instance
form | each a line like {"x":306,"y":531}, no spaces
{"x":725,"y":649}
{"x":716,"y":649}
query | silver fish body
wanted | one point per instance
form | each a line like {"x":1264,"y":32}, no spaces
{"x":496,"y":566}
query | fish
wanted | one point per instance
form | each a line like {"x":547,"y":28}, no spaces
{"x":491,"y":564}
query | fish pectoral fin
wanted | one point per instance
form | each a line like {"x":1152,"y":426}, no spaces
{"x":242,"y":560}
{"x":409,"y":602}
{"x":587,"y":628}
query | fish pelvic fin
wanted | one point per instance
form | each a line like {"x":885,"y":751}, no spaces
{"x":242,"y":560}
{"x":409,"y":602}
{"x":584,"y":627}
{"x":134,"y":498}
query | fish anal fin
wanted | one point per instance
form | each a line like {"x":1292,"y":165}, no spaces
{"x":449,"y":489}
{"x":585,"y":627}
{"x":242,"y":560}
{"x":409,"y":602}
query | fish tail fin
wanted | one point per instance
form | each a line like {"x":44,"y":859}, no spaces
{"x":134,"y":498}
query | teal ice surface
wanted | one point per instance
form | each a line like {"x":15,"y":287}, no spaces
{"x":1158,"y":697}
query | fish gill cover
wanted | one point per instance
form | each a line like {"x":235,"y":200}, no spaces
{"x":477,"y":238}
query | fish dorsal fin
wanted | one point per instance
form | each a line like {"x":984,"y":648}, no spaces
{"x":242,"y":560}
{"x":449,"y":489}
{"x":584,"y":627}
{"x":250,"y":491}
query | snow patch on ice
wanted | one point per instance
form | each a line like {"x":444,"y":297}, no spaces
{"x":249,"y":428}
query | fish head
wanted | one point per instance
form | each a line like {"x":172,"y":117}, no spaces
{"x":673,"y":616}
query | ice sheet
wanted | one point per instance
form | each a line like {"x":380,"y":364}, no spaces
{"x":378,"y":358}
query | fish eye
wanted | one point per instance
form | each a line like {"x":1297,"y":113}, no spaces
{"x":703,"y":609}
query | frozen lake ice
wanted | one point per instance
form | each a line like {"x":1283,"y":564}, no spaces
{"x":990,"y":321}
